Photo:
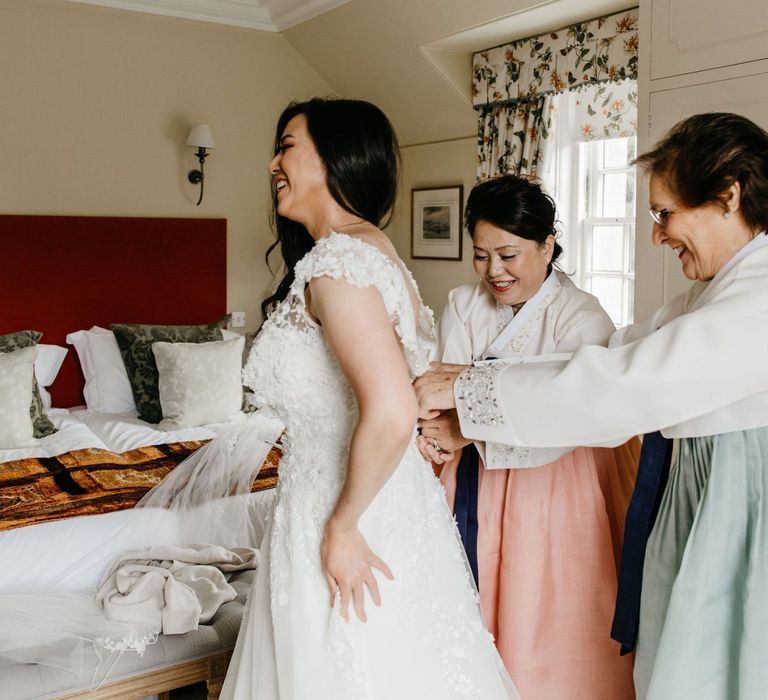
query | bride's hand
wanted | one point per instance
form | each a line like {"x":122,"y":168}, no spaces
{"x":348,"y":564}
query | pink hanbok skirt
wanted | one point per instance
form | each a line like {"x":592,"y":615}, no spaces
{"x":549,"y":542}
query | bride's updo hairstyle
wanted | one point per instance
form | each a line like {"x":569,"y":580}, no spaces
{"x":359,"y":150}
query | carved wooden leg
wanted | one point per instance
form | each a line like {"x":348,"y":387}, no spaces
{"x":214,"y":687}
{"x":217,"y":672}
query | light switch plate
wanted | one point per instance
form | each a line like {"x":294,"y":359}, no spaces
{"x":238,"y":319}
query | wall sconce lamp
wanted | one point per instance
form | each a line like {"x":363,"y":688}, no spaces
{"x":200,"y":137}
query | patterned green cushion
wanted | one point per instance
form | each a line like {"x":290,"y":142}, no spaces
{"x":24,"y":339}
{"x":135,"y":343}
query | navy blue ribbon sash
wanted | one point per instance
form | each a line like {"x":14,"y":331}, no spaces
{"x":465,"y":503}
{"x":652,"y":474}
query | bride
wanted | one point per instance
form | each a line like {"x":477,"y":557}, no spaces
{"x":362,"y":591}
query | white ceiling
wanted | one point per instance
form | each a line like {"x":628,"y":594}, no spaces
{"x":268,"y":15}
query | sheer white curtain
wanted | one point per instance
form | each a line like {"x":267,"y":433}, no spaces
{"x":600,"y":111}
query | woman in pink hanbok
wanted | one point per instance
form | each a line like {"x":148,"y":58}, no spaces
{"x":542,"y":527}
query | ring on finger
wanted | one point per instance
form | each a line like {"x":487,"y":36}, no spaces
{"x":436,"y":446}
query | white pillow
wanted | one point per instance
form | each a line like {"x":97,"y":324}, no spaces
{"x":107,"y":388}
{"x":45,"y":397}
{"x":16,"y":383}
{"x":199,"y":383}
{"x":48,"y":363}
{"x":47,"y":366}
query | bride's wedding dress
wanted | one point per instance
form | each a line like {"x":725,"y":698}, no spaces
{"x":427,"y":640}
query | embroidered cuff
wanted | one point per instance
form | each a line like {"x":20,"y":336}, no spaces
{"x":476,"y":396}
{"x":500,"y":456}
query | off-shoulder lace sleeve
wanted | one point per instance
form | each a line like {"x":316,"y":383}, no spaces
{"x":363,"y":265}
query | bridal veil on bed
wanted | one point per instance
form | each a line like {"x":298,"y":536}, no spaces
{"x":205,"y":499}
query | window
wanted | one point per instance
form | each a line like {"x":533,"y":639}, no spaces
{"x":606,"y":265}
{"x":594,"y":186}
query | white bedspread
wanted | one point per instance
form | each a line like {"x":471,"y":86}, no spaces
{"x":125,"y":431}
{"x":73,"y":434}
{"x":71,"y":555}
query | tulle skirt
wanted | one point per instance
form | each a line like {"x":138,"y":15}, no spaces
{"x":549,"y":543}
{"x":704,"y":605}
{"x":427,"y":640}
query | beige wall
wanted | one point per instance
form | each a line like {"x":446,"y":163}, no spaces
{"x":95,"y":105}
{"x":435,"y":165}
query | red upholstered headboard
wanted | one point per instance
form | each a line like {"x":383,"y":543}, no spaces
{"x":60,"y":274}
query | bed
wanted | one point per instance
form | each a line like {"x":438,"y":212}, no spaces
{"x":66,"y":503}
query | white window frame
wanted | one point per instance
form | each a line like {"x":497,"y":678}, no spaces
{"x":564,"y":178}
{"x":588,"y":175}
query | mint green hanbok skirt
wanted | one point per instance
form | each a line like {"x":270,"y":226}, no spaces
{"x":703,"y":631}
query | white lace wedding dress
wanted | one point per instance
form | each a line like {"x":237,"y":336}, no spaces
{"x":427,"y":640}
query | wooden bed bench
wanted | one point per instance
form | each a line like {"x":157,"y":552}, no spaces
{"x":173,"y":662}
{"x":211,"y":669}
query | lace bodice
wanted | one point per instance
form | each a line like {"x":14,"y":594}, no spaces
{"x":292,"y":370}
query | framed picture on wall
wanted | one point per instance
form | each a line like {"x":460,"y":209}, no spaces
{"x":436,"y":223}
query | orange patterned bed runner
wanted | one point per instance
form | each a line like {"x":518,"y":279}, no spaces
{"x":92,"y":481}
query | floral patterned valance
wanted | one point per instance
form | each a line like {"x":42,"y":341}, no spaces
{"x":605,"y":111}
{"x":600,"y":50}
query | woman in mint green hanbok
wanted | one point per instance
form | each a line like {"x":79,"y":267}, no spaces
{"x":697,"y":372}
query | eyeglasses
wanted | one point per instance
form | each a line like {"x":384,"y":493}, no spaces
{"x":661,"y":216}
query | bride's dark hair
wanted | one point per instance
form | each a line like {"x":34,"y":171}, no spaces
{"x":358,"y":147}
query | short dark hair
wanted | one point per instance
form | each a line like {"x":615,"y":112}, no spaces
{"x":359,"y":150}
{"x":516,"y":205}
{"x":703,"y":155}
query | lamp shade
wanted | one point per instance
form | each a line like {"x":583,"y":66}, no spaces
{"x":200,"y":136}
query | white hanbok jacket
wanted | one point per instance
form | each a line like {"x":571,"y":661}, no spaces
{"x":698,"y":367}
{"x":559,"y":318}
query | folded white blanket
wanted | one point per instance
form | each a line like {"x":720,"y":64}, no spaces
{"x":172,"y":589}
